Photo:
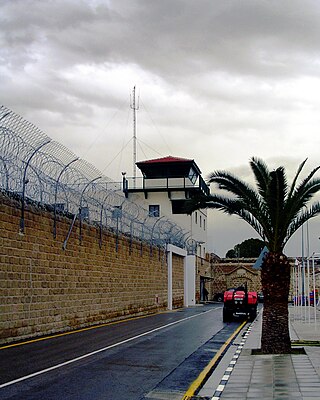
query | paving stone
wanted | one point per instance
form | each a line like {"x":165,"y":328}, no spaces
{"x":276,"y":377}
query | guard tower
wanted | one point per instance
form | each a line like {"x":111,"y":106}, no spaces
{"x":165,"y":185}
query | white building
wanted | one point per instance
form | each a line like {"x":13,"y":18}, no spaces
{"x":165,"y":185}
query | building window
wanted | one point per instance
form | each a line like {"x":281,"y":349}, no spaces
{"x":193,"y":175}
{"x":196,"y":217}
{"x":204,"y":224}
{"x":200,"y":221}
{"x":154,"y":211}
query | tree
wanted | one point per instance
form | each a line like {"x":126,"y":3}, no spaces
{"x":231,"y":253}
{"x":275,"y":210}
{"x":247,"y":248}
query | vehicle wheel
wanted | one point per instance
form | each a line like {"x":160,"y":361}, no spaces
{"x":226,"y":315}
{"x":220,"y":298}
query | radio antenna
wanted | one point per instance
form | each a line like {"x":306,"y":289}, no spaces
{"x":135,"y":107}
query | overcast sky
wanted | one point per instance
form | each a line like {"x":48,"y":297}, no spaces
{"x":218,"y":81}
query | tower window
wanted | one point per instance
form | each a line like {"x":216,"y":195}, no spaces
{"x":192,"y":175}
{"x":154,"y":211}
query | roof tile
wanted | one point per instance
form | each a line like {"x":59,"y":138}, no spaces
{"x":165,"y":160}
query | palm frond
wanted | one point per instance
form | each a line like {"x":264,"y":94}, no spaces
{"x":262,"y":175}
{"x":300,"y":198}
{"x":277,"y":192}
{"x":240,"y":189}
{"x":196,"y":203}
{"x":238,"y":207}
{"x":250,"y":199}
{"x":309,"y":177}
{"x":307,"y":191}
{"x":251,"y":220}
{"x":293,"y":185}
{"x":224,"y":203}
{"x":304,"y":216}
{"x":274,"y":210}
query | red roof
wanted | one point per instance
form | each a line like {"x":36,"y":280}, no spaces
{"x":166,"y":159}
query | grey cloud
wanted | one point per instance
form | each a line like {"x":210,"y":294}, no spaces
{"x":222,"y":80}
{"x":251,"y":37}
{"x":170,"y":38}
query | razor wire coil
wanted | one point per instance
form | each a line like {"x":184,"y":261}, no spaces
{"x":38,"y":169}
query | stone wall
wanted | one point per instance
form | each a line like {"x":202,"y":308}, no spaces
{"x":45,"y":289}
{"x":177,"y":281}
{"x":229,"y":273}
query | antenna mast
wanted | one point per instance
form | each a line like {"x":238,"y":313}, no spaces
{"x":134,"y":107}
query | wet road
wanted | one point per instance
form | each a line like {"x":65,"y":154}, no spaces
{"x":134,"y":359}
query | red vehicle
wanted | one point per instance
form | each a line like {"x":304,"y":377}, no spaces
{"x":239,"y":302}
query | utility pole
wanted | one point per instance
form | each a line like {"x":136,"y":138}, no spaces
{"x":135,"y":107}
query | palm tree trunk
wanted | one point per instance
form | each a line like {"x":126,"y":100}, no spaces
{"x":275,"y":279}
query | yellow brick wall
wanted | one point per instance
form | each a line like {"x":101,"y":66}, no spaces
{"x":45,"y":289}
{"x":177,"y":281}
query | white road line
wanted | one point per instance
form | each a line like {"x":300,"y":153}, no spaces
{"x":23,"y":378}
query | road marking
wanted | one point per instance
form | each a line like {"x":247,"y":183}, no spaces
{"x":82,"y":330}
{"x":224,"y":380}
{"x":23,"y":378}
{"x":202,"y":376}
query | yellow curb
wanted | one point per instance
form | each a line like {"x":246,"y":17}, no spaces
{"x":202,"y":376}
{"x":305,"y":343}
{"x":80,"y":330}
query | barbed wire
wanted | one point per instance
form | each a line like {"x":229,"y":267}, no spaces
{"x":38,"y":169}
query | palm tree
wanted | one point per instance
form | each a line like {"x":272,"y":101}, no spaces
{"x":275,"y":211}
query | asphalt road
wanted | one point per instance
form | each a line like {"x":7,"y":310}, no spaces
{"x":136,"y":359}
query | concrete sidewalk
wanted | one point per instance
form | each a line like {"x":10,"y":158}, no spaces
{"x":241,"y":375}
